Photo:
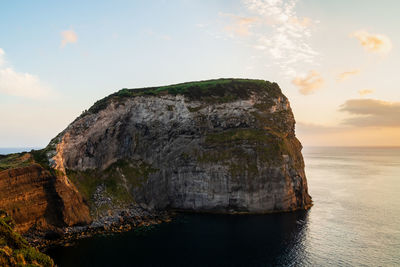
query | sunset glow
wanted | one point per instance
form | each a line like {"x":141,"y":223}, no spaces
{"x":336,"y":61}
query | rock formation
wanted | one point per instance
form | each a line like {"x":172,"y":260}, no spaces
{"x":225,"y":146}
{"x":39,"y":200}
{"x":15,"y":251}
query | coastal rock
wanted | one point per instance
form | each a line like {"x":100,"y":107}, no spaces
{"x":14,"y":250}
{"x":217,"y":146}
{"x":225,"y":146}
{"x":38,"y":200}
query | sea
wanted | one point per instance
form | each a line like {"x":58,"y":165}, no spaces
{"x":355,"y":221}
{"x":9,"y":150}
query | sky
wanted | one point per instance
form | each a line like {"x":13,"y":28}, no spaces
{"x":336,"y":61}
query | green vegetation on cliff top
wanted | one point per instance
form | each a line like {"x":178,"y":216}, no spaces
{"x":25,"y":159}
{"x":15,"y":160}
{"x":14,"y":250}
{"x":212,"y":91}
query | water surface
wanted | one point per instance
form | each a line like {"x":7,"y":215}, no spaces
{"x":8,"y":150}
{"x":355,"y":221}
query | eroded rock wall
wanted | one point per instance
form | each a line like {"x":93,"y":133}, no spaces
{"x":179,"y":152}
{"x":40,"y":201}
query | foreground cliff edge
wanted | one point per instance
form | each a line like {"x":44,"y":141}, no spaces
{"x":225,"y":146}
{"x":15,"y":250}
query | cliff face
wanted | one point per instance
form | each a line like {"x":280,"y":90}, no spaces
{"x":214,"y":146}
{"x":39,"y":200}
{"x":221,"y":145}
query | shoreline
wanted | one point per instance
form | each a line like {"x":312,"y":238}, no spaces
{"x":107,"y":225}
{"x":120,"y":223}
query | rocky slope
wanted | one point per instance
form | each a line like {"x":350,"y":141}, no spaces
{"x":37,"y":199}
{"x":225,"y":146}
{"x":15,"y":251}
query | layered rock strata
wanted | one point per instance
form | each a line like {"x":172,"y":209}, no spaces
{"x":225,"y":146}
{"x":221,"y":146}
{"x":38,"y":200}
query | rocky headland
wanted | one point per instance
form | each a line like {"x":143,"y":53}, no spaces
{"x":225,"y":146}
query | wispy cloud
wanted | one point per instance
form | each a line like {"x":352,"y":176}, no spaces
{"x":303,"y":22}
{"x":2,"y":60}
{"x":310,"y":83}
{"x":68,"y":37}
{"x":372,"y":112}
{"x":377,"y":43}
{"x":345,"y":75}
{"x":365,"y":92}
{"x":20,"y":84}
{"x":284,"y":35}
{"x":239,"y":25}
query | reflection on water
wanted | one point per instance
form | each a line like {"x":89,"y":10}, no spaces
{"x":354,"y":222}
{"x":198,"y":240}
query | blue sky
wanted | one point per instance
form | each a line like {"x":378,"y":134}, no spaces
{"x":337,"y":61}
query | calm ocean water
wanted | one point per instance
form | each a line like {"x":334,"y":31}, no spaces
{"x":355,"y":221}
{"x":8,"y":150}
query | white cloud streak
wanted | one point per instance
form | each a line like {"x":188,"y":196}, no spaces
{"x":20,"y":84}
{"x":2,"y":60}
{"x":288,"y":43}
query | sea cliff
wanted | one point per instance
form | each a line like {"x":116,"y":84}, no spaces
{"x":225,"y":146}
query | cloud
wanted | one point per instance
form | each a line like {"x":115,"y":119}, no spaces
{"x":20,"y":84}
{"x":345,"y":75}
{"x":310,"y":83}
{"x":2,"y":60}
{"x":377,"y":43}
{"x":240,"y":26}
{"x":303,"y":22}
{"x":68,"y":36}
{"x":365,"y":92}
{"x":372,"y":112}
{"x":284,"y":35}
